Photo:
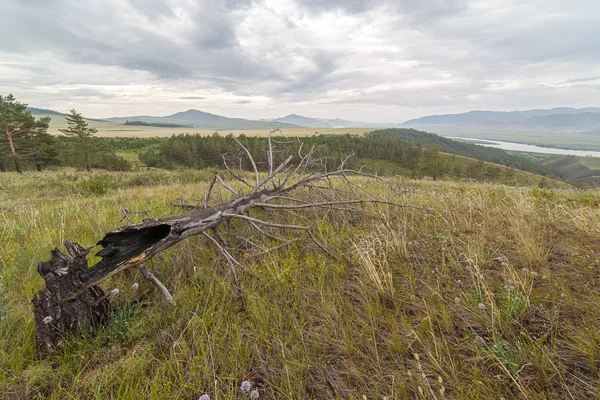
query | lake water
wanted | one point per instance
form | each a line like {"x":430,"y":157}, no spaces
{"x":499,"y":144}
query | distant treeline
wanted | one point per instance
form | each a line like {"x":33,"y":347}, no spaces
{"x":384,"y":151}
{"x":131,"y":143}
{"x":158,"y":124}
{"x":489,"y":154}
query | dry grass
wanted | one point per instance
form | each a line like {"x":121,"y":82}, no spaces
{"x":493,"y":294}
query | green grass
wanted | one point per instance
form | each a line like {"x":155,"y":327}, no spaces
{"x":493,"y":294}
{"x":591,"y":162}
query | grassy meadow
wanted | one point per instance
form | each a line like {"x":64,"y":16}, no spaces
{"x":491,"y":293}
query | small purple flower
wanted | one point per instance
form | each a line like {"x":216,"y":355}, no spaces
{"x":204,"y":397}
{"x":135,"y":286}
{"x":246,"y":386}
{"x":114,"y":292}
{"x":254,"y":394}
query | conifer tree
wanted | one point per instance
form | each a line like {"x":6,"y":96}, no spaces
{"x":15,"y":124}
{"x":433,"y":163}
{"x":79,"y":130}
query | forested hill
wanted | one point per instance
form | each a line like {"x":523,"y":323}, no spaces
{"x":382,"y":153}
{"x":470,"y":150}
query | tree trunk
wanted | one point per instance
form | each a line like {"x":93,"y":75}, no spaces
{"x":88,"y":161}
{"x":11,"y":146}
{"x":17,"y":165}
{"x":38,"y":166}
{"x":2,"y":167}
{"x":55,"y":322}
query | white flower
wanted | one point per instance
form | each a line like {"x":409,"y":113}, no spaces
{"x":481,"y":306}
{"x":114,"y":292}
{"x":47,"y":320}
{"x":204,"y":396}
{"x":246,"y":386}
{"x":254,"y":394}
{"x":135,"y":286}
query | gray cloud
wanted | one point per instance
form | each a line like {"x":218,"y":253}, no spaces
{"x":367,"y":59}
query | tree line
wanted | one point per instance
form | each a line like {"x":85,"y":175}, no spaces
{"x":26,"y":144}
{"x":380,"y":153}
{"x":489,"y":154}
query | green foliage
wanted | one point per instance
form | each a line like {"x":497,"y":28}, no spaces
{"x":131,"y":143}
{"x":445,"y":145}
{"x":95,"y":184}
{"x":433,"y":163}
{"x":23,"y":139}
{"x":384,"y":154}
{"x":79,"y":131}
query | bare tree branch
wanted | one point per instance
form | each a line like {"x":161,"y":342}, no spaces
{"x":150,"y":276}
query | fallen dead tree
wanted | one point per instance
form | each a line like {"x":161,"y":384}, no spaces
{"x":72,"y":299}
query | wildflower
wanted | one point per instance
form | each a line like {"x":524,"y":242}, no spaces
{"x":254,"y":394}
{"x":246,"y":386}
{"x":47,"y":320}
{"x":114,"y":292}
{"x":457,"y":300}
{"x":204,"y":397}
{"x":135,"y":286}
{"x":481,"y":306}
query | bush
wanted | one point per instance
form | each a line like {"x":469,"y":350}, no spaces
{"x":95,"y":185}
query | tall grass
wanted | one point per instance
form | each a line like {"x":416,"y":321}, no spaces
{"x":492,"y":294}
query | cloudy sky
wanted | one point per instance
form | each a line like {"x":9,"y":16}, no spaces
{"x":371,"y":60}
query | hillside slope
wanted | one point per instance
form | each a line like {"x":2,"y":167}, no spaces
{"x":491,"y":293}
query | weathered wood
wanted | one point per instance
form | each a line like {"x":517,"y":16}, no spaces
{"x":54,"y":322}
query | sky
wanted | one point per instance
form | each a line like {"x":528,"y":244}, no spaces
{"x":367,"y":60}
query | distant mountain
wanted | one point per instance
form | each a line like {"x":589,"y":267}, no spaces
{"x":42,"y":111}
{"x":555,"y":120}
{"x":309,"y":122}
{"x":306,"y":122}
{"x":200,"y":119}
{"x":483,"y":117}
{"x":195,"y":115}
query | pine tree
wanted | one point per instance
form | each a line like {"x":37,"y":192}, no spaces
{"x":78,"y":129}
{"x":16,"y":123}
{"x":433,"y":163}
{"x":41,"y":144}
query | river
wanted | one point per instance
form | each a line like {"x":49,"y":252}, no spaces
{"x":528,"y":147}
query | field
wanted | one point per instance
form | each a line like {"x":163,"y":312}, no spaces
{"x":492,"y":293}
{"x":591,"y":162}
{"x":113,"y":129}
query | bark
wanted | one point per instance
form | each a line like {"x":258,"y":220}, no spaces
{"x":55,"y":322}
{"x":88,"y":161}
{"x":11,"y":147}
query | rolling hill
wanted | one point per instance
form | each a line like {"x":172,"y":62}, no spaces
{"x":564,"y":127}
{"x":495,"y":117}
{"x":200,"y":119}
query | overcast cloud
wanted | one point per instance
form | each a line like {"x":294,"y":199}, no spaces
{"x":372,"y":60}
